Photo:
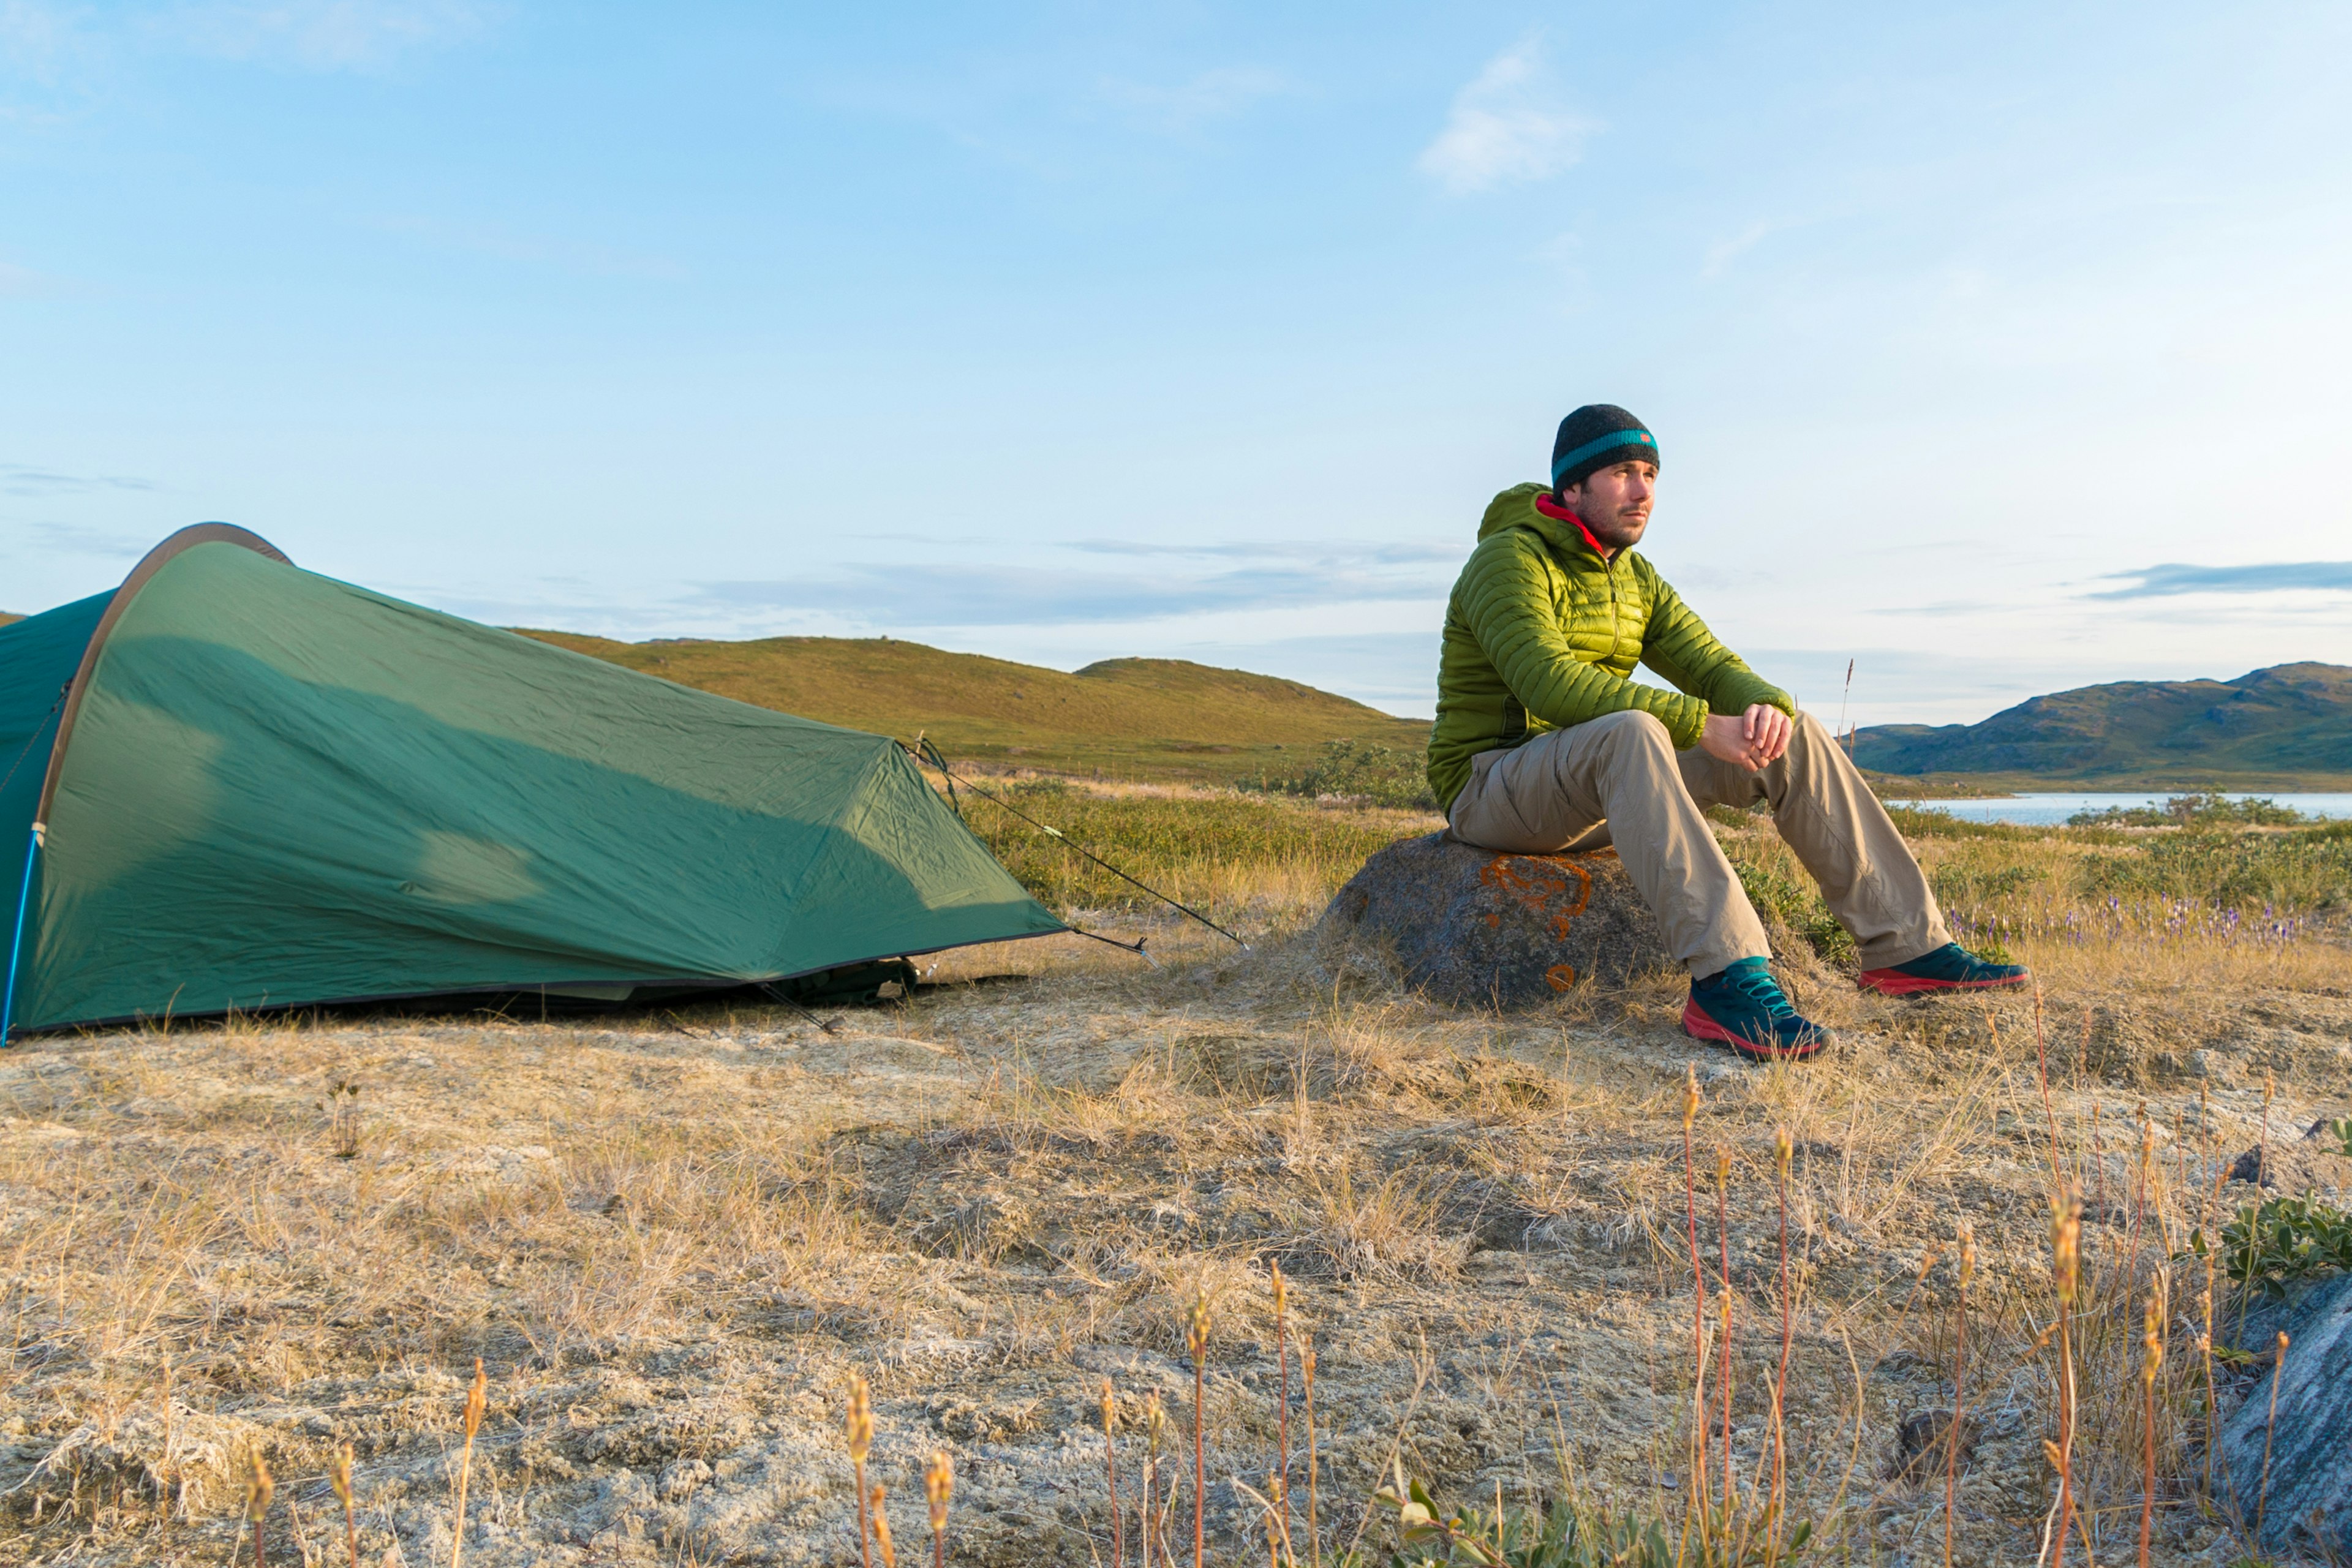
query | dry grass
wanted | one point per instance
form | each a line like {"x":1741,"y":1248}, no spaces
{"x":673,"y":1239}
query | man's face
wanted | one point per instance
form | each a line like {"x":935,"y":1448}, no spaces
{"x":1614,"y":502}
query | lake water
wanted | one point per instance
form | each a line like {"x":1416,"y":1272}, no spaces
{"x":2044,"y":810}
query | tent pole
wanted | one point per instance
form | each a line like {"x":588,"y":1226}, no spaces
{"x":16,"y":946}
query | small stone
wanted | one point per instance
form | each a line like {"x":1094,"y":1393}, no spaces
{"x":1921,"y":1444}
{"x":2294,"y":1167}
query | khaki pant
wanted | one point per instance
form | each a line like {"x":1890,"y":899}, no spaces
{"x":1619,"y":780}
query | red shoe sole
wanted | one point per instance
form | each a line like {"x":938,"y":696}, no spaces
{"x":1699,"y":1026}
{"x":1894,"y":983}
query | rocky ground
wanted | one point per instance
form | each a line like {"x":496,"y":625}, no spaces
{"x":672,"y":1237}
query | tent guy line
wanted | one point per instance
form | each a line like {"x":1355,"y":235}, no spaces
{"x":27,"y":749}
{"x":930,"y":753}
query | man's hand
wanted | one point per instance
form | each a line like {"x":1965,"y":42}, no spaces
{"x":1749,"y":741}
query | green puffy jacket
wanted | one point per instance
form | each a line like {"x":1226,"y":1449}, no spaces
{"x":1541,"y":632}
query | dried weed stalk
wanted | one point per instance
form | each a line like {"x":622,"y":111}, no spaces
{"x":339,"y":1476}
{"x":858,"y":1427}
{"x":1110,"y":1473}
{"x":1196,"y":1341}
{"x":258,"y":1486}
{"x":476,"y":1397}
{"x":939,"y":1489}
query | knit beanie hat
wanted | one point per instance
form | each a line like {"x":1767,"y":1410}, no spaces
{"x":1594,"y":438}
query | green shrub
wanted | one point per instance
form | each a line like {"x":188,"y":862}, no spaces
{"x":1796,"y":905}
{"x":1915,"y":822}
{"x":2285,"y":871}
{"x":2267,"y":1246}
{"x":1959,"y":884}
{"x":2206,"y":808}
{"x":1560,"y":1533}
{"x":1358,"y":770}
{"x":1555,"y":1534}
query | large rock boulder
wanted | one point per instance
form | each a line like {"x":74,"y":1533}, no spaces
{"x":2309,"y":1498}
{"x":1475,"y":929}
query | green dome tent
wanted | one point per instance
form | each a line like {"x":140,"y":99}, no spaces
{"x":237,"y":784}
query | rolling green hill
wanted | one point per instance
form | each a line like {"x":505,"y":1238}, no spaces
{"x":2286,"y":727}
{"x":1127,"y":717}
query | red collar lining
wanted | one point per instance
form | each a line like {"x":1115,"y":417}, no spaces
{"x":1545,"y":505}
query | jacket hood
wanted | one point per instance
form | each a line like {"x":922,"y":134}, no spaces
{"x":1516,"y":508}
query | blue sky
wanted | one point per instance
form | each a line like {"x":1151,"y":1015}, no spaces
{"x":1997,"y":348}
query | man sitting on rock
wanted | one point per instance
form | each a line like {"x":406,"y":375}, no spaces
{"x":1543,"y":744}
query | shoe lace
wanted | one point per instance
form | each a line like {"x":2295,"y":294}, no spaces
{"x":1764,"y":991}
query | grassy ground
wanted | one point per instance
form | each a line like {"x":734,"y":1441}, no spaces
{"x":673,"y":1238}
{"x":1257,"y":861}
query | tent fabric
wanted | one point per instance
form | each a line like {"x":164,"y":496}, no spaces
{"x":39,"y":655}
{"x":277,"y":789}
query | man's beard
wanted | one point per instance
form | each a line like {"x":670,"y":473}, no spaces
{"x":1620,"y":532}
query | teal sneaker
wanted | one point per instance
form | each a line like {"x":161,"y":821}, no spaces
{"x":1744,"y":1007}
{"x":1950,"y":967}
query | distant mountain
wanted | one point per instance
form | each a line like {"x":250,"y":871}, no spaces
{"x":2278,"y":727}
{"x":6,"y":618}
{"x":1129,"y":718}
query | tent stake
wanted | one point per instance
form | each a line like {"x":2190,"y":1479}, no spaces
{"x":17,"y":945}
{"x":779,"y":993}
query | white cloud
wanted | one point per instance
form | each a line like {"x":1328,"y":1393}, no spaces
{"x":33,"y":36}
{"x":47,"y":52}
{"x":1723,"y":252}
{"x":322,"y":35}
{"x":21,"y":480}
{"x":1212,"y":95}
{"x":1506,"y":128}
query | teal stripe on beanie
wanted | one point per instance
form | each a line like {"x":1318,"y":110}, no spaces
{"x":1615,"y":438}
{"x":1594,"y":438}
